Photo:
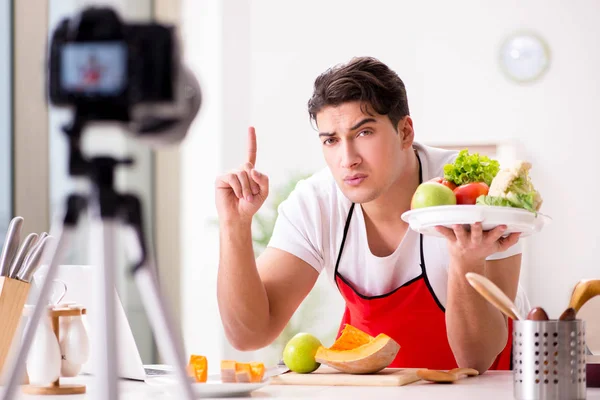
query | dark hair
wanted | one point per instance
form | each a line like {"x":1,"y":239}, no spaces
{"x":364,"y":79}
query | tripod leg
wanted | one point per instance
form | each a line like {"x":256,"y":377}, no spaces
{"x":104,"y":343}
{"x":145,"y":278}
{"x":63,"y":234}
{"x":168,"y":343}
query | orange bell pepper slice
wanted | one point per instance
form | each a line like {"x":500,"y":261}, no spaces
{"x":198,"y":368}
{"x":257,"y":370}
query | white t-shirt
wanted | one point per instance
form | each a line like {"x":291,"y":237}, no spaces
{"x":311,"y":223}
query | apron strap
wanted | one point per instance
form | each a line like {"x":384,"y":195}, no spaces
{"x":346,"y":227}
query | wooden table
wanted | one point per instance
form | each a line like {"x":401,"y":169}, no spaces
{"x":493,"y":385}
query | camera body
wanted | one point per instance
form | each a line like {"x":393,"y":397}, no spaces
{"x":105,"y":68}
{"x":131,"y":74}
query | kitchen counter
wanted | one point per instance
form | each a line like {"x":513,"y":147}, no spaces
{"x":493,"y":385}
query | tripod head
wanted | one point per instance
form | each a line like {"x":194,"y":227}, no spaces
{"x":100,"y":170}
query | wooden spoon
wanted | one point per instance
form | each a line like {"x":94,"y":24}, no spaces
{"x":537,"y":314}
{"x":464,"y":371}
{"x":453,"y":375}
{"x":493,"y":294}
{"x":583,"y":291}
{"x":568,"y":315}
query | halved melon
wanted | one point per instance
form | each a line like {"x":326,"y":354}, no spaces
{"x":357,"y":352}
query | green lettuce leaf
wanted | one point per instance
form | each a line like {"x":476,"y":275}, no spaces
{"x":521,"y":185}
{"x":518,"y":184}
{"x":494,"y":201}
{"x":468,"y":168}
{"x":523,"y":200}
{"x":515,"y":200}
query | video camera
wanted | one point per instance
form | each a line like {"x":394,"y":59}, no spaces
{"x":108,"y":70}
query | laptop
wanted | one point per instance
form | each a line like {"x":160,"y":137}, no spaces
{"x":80,"y":289}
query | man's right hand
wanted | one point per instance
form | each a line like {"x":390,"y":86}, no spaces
{"x":240,"y":193}
{"x":256,"y":296}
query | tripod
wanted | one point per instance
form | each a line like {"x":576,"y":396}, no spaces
{"x":107,"y":209}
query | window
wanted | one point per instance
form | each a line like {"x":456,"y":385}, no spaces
{"x":6,"y":159}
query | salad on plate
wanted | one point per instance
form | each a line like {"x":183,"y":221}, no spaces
{"x":475,"y":189}
{"x":478,"y":179}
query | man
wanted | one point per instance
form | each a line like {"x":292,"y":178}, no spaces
{"x":346,"y":220}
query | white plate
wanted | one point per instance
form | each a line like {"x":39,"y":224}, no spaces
{"x":213,"y":387}
{"x":424,"y":220}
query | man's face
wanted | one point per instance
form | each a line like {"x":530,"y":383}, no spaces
{"x":364,"y":152}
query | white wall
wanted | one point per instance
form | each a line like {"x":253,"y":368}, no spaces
{"x":446,"y":53}
{"x":201,"y":160}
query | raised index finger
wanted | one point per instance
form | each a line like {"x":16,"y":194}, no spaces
{"x":252,"y":145}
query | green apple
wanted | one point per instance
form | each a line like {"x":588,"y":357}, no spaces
{"x":299,"y":353}
{"x":430,"y":194}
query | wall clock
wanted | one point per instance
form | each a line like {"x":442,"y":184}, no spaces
{"x":524,"y":57}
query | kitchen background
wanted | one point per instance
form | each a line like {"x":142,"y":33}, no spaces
{"x":257,"y":60}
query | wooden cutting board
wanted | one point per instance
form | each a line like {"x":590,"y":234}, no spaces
{"x":326,"y":376}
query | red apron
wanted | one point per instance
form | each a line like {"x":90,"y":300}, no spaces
{"x":411,"y":315}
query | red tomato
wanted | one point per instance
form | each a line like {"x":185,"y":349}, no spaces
{"x":444,"y":182}
{"x":468,"y":194}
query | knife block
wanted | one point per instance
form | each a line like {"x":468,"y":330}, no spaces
{"x":13,"y":295}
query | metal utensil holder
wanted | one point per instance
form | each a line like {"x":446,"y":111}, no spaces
{"x":549,"y":360}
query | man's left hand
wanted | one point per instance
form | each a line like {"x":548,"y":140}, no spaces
{"x":476,"y":245}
